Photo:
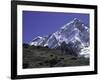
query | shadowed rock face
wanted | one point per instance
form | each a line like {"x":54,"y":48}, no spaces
{"x":70,"y":49}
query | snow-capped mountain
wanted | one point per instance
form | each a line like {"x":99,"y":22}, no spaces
{"x":39,"y":41}
{"x":74,"y":31}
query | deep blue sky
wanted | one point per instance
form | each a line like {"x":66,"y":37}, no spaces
{"x":44,"y":23}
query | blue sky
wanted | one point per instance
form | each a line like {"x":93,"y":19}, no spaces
{"x":44,"y":23}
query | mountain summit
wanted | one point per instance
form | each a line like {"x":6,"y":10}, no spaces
{"x":75,"y":31}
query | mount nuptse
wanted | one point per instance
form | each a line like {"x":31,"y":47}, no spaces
{"x":75,"y":32}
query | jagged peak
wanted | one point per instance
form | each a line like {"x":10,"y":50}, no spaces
{"x":76,"y":20}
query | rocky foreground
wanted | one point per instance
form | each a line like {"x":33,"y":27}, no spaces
{"x":44,"y":57}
